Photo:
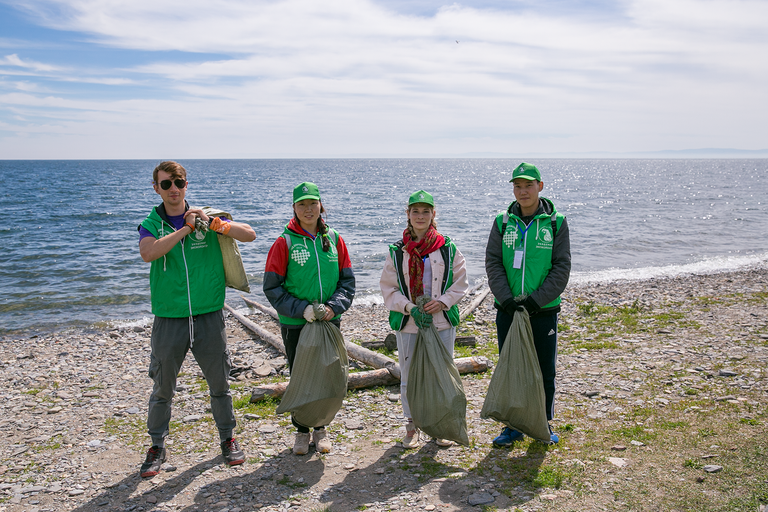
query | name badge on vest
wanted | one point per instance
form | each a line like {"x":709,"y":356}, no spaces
{"x":518,"y":263}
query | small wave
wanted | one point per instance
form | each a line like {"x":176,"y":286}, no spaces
{"x":144,"y":321}
{"x":368,"y":299}
{"x":713,"y":265}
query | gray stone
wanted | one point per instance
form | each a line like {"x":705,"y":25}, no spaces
{"x":713,"y":468}
{"x":354,"y":424}
{"x":263,"y":370}
{"x":480,"y":498}
{"x":192,"y":418}
{"x":727,"y":373}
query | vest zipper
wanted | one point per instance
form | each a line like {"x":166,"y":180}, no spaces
{"x":317,"y":258}
{"x":525,"y":250}
{"x":189,"y":297}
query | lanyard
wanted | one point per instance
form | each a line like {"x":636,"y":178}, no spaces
{"x":524,"y":231}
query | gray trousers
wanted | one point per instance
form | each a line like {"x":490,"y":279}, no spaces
{"x":406,"y":342}
{"x":170,"y":344}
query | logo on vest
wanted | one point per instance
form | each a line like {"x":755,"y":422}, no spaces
{"x":510,"y":237}
{"x":198,"y":235}
{"x":300,"y":255}
{"x":545,"y":234}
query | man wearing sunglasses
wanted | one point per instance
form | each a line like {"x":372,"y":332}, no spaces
{"x":187,"y":289}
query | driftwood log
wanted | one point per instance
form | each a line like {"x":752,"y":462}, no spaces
{"x":387,"y":370}
{"x":356,"y":352}
{"x":390,"y":343}
{"x":261,"y":307}
{"x":264,"y":334}
{"x":474,"y":304}
{"x":371,"y":378}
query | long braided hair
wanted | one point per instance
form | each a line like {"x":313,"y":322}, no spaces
{"x":322,"y":229}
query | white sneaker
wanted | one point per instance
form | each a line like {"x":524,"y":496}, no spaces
{"x":322,"y":443}
{"x":301,"y":445}
{"x":443,"y":442}
{"x":411,"y":439}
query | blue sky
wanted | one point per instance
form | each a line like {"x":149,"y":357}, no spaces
{"x":301,"y":78}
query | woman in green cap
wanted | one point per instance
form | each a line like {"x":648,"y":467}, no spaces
{"x":423,"y":262}
{"x":308,"y":263}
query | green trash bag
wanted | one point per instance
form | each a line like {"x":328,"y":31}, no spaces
{"x":516,"y":392}
{"x":435,"y":393}
{"x":319,"y":374}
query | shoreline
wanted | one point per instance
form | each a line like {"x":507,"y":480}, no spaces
{"x":73,"y":415}
{"x":573,"y":288}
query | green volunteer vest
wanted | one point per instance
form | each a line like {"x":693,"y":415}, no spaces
{"x":189,"y":279}
{"x":312,"y":274}
{"x":398,"y":320}
{"x":536,"y":244}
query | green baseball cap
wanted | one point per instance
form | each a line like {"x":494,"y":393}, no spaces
{"x":526,"y":171}
{"x":421,"y":196}
{"x":305,"y":190}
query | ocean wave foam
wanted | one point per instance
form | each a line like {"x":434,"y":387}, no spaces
{"x":712,"y":265}
{"x":144,"y":321}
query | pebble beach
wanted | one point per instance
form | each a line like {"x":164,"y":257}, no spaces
{"x":74,"y":405}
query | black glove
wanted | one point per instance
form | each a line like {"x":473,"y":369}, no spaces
{"x":530,"y":305}
{"x":511,"y":306}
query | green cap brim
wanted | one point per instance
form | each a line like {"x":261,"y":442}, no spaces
{"x":308,"y":196}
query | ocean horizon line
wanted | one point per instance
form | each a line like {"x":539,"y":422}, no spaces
{"x":697,"y":154}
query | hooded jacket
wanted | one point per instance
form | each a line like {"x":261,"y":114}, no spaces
{"x":545,"y":264}
{"x":297,"y":276}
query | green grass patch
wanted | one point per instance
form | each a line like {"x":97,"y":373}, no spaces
{"x":693,"y":464}
{"x":635,"y":432}
{"x":263,"y":408}
{"x":673,"y":425}
{"x":549,"y":477}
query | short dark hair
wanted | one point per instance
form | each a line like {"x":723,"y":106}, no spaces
{"x":175,"y":169}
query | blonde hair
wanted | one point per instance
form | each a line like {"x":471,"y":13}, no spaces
{"x":411,"y":232}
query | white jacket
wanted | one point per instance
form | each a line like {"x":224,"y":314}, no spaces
{"x":396,"y":301}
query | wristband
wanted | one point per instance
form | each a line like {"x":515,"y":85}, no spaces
{"x":190,"y":225}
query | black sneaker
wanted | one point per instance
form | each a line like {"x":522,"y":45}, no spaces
{"x":155,"y":459}
{"x":231,"y":452}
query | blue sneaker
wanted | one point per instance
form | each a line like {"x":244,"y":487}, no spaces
{"x":553,"y":438}
{"x":507,"y":437}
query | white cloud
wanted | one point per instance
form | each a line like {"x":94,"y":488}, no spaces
{"x":13,"y":60}
{"x":351,"y":76}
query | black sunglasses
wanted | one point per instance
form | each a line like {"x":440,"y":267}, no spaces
{"x":166,"y":184}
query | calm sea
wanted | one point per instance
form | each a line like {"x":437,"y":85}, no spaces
{"x":70,"y":247}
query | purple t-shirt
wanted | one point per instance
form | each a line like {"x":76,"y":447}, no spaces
{"x":177,"y":221}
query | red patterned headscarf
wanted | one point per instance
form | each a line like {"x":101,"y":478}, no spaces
{"x":431,"y":242}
